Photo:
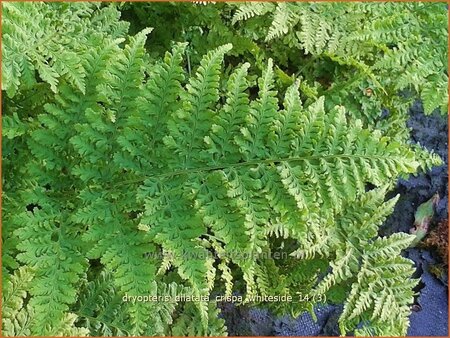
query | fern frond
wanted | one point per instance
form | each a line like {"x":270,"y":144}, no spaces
{"x":101,"y":309}
{"x":198,"y":100}
{"x":388,"y":293}
{"x":140,"y":179}
{"x":362,"y":262}
{"x":35,"y":40}
{"x":249,"y":10}
{"x":183,"y":325}
{"x":49,"y":246}
{"x":15,"y":317}
{"x":232,"y":116}
{"x":283,"y":20}
{"x":262,"y":112}
{"x":159,"y":101}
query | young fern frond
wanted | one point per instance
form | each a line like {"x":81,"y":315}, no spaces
{"x":383,"y":292}
{"x":283,"y":19}
{"x":16,"y":317}
{"x":381,"y":285}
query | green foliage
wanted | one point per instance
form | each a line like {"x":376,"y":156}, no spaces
{"x":387,"y":48}
{"x":380,"y":278}
{"x":35,"y":40}
{"x":134,"y":173}
{"x":14,"y":291}
{"x":365,"y":56}
{"x":18,"y":319}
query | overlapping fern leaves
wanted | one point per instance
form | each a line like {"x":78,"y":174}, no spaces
{"x":45,"y":46}
{"x":149,"y":181}
{"x":397,"y":51}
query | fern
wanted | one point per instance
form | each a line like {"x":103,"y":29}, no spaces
{"x":101,"y":309}
{"x":249,"y":10}
{"x":147,"y":177}
{"x":15,"y":317}
{"x":393,"y":47}
{"x":383,"y":288}
{"x":35,"y":40}
{"x":284,"y":19}
{"x":380,"y":278}
{"x":18,"y":318}
{"x":48,"y":245}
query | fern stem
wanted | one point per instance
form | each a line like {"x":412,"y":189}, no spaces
{"x":243,"y":164}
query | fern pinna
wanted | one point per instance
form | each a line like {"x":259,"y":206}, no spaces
{"x":148,"y":181}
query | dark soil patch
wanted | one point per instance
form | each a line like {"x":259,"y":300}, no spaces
{"x":431,"y":132}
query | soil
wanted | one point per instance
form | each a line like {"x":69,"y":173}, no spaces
{"x":431,"y":132}
{"x":430,"y":311}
